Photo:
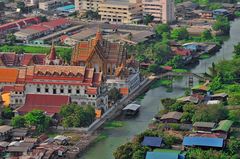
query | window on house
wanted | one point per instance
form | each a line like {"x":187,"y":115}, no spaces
{"x":78,"y":91}
{"x":16,"y":100}
{"x":38,"y":90}
{"x":69,"y":90}
{"x":46,"y":90}
{"x":20,"y":101}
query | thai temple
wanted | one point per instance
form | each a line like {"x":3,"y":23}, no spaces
{"x":96,"y":66}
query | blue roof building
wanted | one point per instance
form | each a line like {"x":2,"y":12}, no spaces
{"x":192,"y":46}
{"x":162,"y":155}
{"x":68,"y":8}
{"x":203,"y":142}
{"x":152,"y":141}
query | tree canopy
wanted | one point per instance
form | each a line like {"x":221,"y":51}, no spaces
{"x":180,"y":33}
{"x":77,"y":116}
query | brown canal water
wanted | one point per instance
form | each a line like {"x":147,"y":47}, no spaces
{"x":151,"y":103}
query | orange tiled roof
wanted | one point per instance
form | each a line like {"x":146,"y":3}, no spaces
{"x":124,"y":91}
{"x":8,"y":75}
{"x":74,"y":70}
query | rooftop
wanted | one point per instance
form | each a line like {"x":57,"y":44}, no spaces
{"x":152,"y":141}
{"x":5,"y":128}
{"x":172,"y":115}
{"x":162,"y":154}
{"x":8,"y":75}
{"x":204,"y":124}
{"x":224,"y":125}
{"x":50,"y":104}
{"x":132,"y":107}
{"x":203,"y":141}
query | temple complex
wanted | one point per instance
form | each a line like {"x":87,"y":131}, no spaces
{"x":100,"y":54}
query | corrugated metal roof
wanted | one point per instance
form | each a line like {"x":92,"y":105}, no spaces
{"x":202,"y":141}
{"x":152,"y":141}
{"x":163,"y":155}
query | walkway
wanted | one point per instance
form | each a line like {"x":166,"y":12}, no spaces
{"x":116,"y":109}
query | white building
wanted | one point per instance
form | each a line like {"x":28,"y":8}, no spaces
{"x":48,"y":5}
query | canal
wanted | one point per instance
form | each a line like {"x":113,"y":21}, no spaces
{"x":151,"y":103}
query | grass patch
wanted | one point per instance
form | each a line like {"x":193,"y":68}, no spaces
{"x":101,"y":137}
{"x":180,"y":70}
{"x":74,"y":137}
{"x":65,"y":53}
{"x":204,"y":56}
{"x":162,"y":82}
{"x":113,"y":124}
{"x":140,"y":97}
{"x":52,"y":134}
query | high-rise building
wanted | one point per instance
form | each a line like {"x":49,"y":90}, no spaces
{"x":162,"y":10}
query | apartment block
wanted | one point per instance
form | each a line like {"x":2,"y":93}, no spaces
{"x":49,"y":4}
{"x":121,"y":11}
{"x":85,"y":5}
{"x":162,"y":10}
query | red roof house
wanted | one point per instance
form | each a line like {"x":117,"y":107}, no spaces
{"x":51,"y":104}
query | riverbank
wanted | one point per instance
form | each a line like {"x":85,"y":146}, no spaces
{"x":151,"y":103}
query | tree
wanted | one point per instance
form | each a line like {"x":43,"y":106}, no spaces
{"x":124,"y":151}
{"x":233,"y":146}
{"x":212,"y":113}
{"x":92,"y":15}
{"x":162,"y":28}
{"x":206,"y":35}
{"x":11,"y":38}
{"x":147,"y":19}
{"x":18,"y":121}
{"x":38,"y":119}
{"x":77,"y":116}
{"x":7,"y":113}
{"x":43,"y":18}
{"x":234,"y":115}
{"x":237,"y":49}
{"x":175,"y":62}
{"x":222,"y":24}
{"x":168,"y":102}
{"x":180,"y":33}
{"x":114,"y":95}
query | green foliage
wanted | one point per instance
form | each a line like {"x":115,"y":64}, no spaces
{"x":64,"y":53}
{"x":167,"y":102}
{"x":206,"y":35}
{"x":114,"y":95}
{"x":188,"y":112}
{"x":92,"y":15}
{"x":130,"y":150}
{"x":161,"y":29}
{"x":222,"y":24}
{"x":11,"y":38}
{"x":212,"y":113}
{"x":233,"y":146}
{"x":234,"y":115}
{"x":180,"y":33}
{"x":113,"y":124}
{"x":7,"y":113}
{"x":206,"y":154}
{"x":147,"y":19}
{"x":18,"y":121}
{"x":237,"y":49}
{"x":77,"y":116}
{"x":38,"y":119}
{"x":175,"y":62}
{"x":237,"y":13}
